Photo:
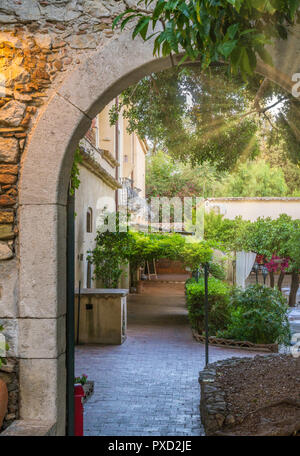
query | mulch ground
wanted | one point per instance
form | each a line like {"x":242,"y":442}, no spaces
{"x":263,"y":395}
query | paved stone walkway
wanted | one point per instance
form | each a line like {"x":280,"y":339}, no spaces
{"x":148,"y":385}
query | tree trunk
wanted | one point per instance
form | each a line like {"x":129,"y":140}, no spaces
{"x":294,"y":288}
{"x":280,"y":280}
{"x":272,"y":279}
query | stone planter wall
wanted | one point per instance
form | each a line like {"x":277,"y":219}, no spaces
{"x":260,"y":396}
{"x":9,"y":374}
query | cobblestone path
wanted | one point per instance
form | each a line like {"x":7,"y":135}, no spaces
{"x":148,"y":385}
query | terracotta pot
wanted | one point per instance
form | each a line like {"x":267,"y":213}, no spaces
{"x":3,"y":401}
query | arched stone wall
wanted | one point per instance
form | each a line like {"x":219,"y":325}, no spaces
{"x":59,"y":74}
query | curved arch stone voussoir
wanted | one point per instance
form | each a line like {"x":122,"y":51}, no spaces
{"x":83,"y":94}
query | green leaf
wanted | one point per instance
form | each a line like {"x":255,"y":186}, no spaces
{"x":141,"y":27}
{"x":120,"y":16}
{"x":265,"y":55}
{"x":232,"y":31}
{"x":227,"y":48}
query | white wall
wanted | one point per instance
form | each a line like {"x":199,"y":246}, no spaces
{"x":252,"y":208}
{"x":92,"y":193}
{"x":140,"y":167}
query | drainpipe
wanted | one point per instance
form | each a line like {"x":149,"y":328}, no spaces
{"x":117,"y":154}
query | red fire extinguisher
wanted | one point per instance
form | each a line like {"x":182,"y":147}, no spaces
{"x":78,"y":396}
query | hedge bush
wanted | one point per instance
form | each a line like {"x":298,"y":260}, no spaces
{"x":258,"y":314}
{"x":218,"y":304}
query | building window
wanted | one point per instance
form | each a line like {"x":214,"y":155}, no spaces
{"x":125,"y":158}
{"x":89,"y":275}
{"x":89,"y":220}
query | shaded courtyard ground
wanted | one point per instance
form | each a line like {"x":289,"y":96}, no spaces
{"x":148,"y":385}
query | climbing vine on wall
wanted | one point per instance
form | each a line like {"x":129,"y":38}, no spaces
{"x":75,"y":172}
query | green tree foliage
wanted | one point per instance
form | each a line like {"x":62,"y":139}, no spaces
{"x":280,"y":149}
{"x":196,"y":254}
{"x":235,"y":31}
{"x":111,"y":251}
{"x":231,"y":32}
{"x":207,"y":119}
{"x":194,"y":116}
{"x":256,"y":178}
{"x":170,"y":178}
{"x":114,"y":248}
{"x":266,"y":237}
{"x":223,"y":232}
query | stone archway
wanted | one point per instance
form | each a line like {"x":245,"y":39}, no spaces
{"x":45,"y":171}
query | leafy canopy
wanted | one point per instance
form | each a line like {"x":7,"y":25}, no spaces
{"x":279,"y":236}
{"x":195,"y":117}
{"x":256,"y":178}
{"x":234,"y":31}
{"x":206,"y":118}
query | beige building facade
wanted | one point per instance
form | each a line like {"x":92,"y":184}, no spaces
{"x":112,"y":171}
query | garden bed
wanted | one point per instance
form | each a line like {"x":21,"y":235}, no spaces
{"x":240,"y":344}
{"x":251,"y":396}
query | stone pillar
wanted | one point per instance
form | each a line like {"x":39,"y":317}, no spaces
{"x":42,"y":314}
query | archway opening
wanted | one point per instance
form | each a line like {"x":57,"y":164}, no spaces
{"x":76,"y":109}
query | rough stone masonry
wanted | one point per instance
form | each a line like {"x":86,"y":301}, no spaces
{"x":39,"y":42}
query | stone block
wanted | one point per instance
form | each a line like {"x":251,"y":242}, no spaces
{"x":28,"y":10}
{"x":12,"y":113}
{"x":111,"y":76}
{"x":30,"y":428}
{"x":55,"y":162}
{"x":8,"y":289}
{"x":42,"y":384}
{"x":43,"y":40}
{"x":9,"y":169}
{"x":42,"y":338}
{"x":5,"y":252}
{"x":42,"y":274}
{"x":7,"y":179}
{"x":83,"y":42}
{"x":7,"y":201}
{"x":9,"y":150}
{"x":6,"y":232}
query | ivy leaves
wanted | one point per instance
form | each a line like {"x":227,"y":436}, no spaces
{"x":234,"y":31}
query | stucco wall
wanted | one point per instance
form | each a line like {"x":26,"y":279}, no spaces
{"x":252,"y":208}
{"x":95,"y":194}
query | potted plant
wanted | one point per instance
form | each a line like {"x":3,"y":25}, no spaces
{"x":87,"y":385}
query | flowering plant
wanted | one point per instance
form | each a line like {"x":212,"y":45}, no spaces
{"x":82,"y":379}
{"x":276,"y":263}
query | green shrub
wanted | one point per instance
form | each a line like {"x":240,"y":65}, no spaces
{"x":217,"y":270}
{"x":259,"y":315}
{"x":218,"y":304}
